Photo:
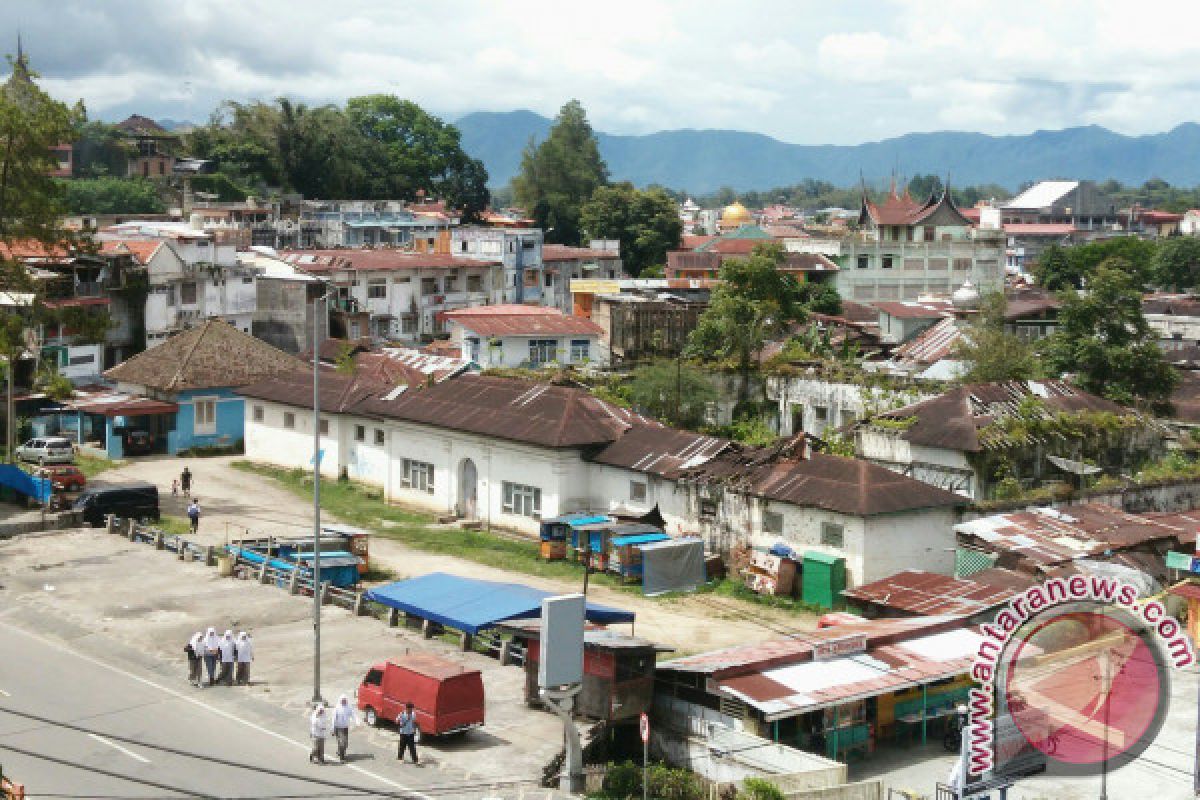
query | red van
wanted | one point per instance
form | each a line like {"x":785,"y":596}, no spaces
{"x":447,"y":697}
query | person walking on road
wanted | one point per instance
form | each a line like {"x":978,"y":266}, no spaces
{"x":211,"y":649}
{"x":344,"y":718}
{"x":406,"y":723}
{"x":228,"y":658}
{"x":193,"y":512}
{"x":245,"y":654}
{"x":319,"y":727}
{"x":195,"y":656}
{"x":185,"y":481}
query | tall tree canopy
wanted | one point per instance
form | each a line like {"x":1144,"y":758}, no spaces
{"x":559,"y":175}
{"x":646,"y":223}
{"x":990,"y":354}
{"x":1104,"y":339}
{"x":1176,"y":263}
{"x":755,"y":301}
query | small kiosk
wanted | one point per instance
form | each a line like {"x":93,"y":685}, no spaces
{"x":557,"y":532}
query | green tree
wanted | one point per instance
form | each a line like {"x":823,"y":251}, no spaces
{"x":1054,"y":271}
{"x":422,"y":152}
{"x":112,"y":196}
{"x":1177,"y":263}
{"x":1137,"y":256}
{"x":673,"y":392}
{"x":559,"y":175}
{"x":755,"y":301}
{"x":822,"y":298}
{"x":989,"y":353}
{"x":646,"y":223}
{"x":1104,"y":339}
{"x":100,"y":151}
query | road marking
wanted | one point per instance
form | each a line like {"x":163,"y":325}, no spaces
{"x":199,"y":704}
{"x":6,"y":694}
{"x":116,"y":746}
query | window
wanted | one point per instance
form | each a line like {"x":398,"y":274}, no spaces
{"x":450,"y":282}
{"x":289,"y":419}
{"x":360,"y":433}
{"x":474,"y":283}
{"x":832,"y":535}
{"x":377,"y":288}
{"x":408,"y":323}
{"x":418,"y":475}
{"x":542,"y":351}
{"x":581,"y":350}
{"x":772,"y":522}
{"x":527,"y":244}
{"x":708,"y":508}
{"x":864,"y":262}
{"x":258,"y":414}
{"x":637,"y":491}
{"x":170,"y":296}
{"x":324,"y":426}
{"x":522,"y":500}
{"x":930,"y":233}
{"x":379,"y":436}
{"x":512,"y":247}
{"x":205,"y":415}
{"x":821,"y":414}
{"x":374,"y":678}
{"x":428,"y":285}
{"x":462,"y":247}
{"x":549,"y":279}
{"x":887,"y":262}
{"x":187,"y":293}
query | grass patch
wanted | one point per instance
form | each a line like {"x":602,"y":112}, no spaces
{"x":172,"y":525}
{"x":728,"y":587}
{"x":91,"y":466}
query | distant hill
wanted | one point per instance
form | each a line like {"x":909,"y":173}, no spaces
{"x":705,"y":160}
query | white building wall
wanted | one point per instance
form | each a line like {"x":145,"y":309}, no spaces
{"x":921,"y":539}
{"x":270,"y":442}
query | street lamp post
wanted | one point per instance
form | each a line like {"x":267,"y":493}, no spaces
{"x":320,"y":302}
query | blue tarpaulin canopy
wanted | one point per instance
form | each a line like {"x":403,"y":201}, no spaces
{"x":471,"y":605}
{"x":18,"y":479}
{"x":639,"y":538}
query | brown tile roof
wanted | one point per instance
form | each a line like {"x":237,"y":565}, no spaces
{"x":1029,"y":302}
{"x":142,"y":250}
{"x":792,"y":473}
{"x":138,"y":125}
{"x":521,"y":320}
{"x":1179,"y":305}
{"x":215,"y":354}
{"x":691,"y":241}
{"x":954,"y":420}
{"x":535,"y":413}
{"x":917,"y":592}
{"x":317,"y":261}
{"x":33,"y":250}
{"x":905,"y":210}
{"x":932,"y":344}
{"x":561,"y":252}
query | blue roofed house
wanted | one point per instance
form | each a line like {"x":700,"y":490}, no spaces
{"x":197,"y":372}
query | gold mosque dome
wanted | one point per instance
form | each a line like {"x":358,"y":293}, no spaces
{"x":735,"y":214}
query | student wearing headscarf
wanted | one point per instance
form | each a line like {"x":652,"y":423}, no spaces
{"x":212,"y":654}
{"x":245,"y":654}
{"x":228,"y":658}
{"x":319,"y":727}
{"x":195,"y":657}
{"x":344,"y":718}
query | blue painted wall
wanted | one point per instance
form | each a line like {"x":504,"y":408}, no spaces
{"x":230,"y":418}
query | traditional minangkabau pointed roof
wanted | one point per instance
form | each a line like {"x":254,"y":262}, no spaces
{"x":213,"y":355}
{"x":903,"y":209}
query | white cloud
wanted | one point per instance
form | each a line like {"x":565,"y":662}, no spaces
{"x":802,"y":71}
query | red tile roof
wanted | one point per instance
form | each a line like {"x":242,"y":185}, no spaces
{"x":520,"y":320}
{"x":374,"y":260}
{"x":932,"y":344}
{"x":693,"y":241}
{"x":142,"y":250}
{"x":32,"y":250}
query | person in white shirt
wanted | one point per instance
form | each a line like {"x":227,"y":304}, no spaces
{"x":319,"y":727}
{"x":228,"y":656}
{"x":344,"y":718}
{"x":245,"y":654}
{"x":212,"y":654}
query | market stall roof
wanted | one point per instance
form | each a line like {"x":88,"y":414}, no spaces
{"x":640,"y":538}
{"x":471,"y":605}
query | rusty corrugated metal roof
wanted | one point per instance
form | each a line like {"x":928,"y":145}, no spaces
{"x":916,"y":591}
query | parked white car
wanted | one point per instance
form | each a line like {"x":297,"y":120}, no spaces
{"x":47,"y":450}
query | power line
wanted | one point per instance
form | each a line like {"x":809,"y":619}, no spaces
{"x":106,"y":773}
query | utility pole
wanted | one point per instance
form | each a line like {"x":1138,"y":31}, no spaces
{"x":320,"y":302}
{"x":1106,"y":687}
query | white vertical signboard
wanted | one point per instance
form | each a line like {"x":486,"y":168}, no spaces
{"x":561,"y":660}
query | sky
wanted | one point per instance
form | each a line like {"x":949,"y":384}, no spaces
{"x":803,"y":72}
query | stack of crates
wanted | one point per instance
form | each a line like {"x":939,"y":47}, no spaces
{"x":824,"y":578}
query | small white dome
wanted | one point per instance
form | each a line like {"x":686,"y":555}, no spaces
{"x":965,"y":297}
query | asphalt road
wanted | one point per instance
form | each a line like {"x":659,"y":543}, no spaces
{"x":43,"y":678}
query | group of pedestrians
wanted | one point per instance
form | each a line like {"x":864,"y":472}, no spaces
{"x":184,"y":483}
{"x":337,"y":723}
{"x":208,"y":651}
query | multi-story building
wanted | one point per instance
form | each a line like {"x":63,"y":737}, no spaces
{"x":906,"y":248}
{"x":519,"y":253}
{"x":601,"y":260}
{"x":393,"y":295}
{"x":366,"y":223}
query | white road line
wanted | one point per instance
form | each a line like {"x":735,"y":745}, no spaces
{"x":116,"y":746}
{"x":6,"y":694}
{"x":199,"y":704}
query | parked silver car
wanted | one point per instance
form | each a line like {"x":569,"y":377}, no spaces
{"x":47,"y":450}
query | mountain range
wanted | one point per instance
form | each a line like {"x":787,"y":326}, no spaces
{"x":702,"y":161}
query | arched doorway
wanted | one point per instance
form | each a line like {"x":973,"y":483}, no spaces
{"x":466,"y":506}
